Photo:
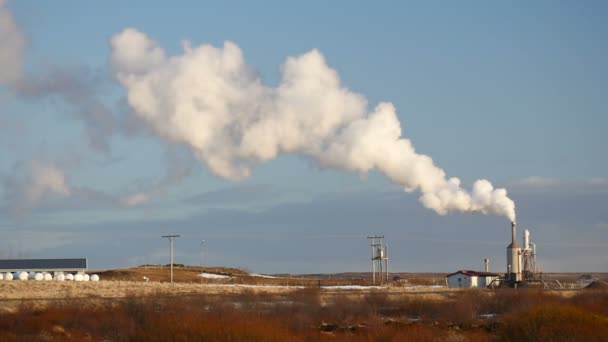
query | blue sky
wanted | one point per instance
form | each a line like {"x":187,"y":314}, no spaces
{"x":514,"y":93}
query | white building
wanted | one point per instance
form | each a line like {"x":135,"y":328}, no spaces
{"x":470,"y":279}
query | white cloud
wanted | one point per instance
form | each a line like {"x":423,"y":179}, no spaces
{"x":598,"y":181}
{"x":135,"y":200}
{"x":544,"y":184}
{"x":539,"y":181}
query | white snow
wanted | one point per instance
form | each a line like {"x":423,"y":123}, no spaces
{"x":257,"y":286}
{"x":424,"y":287}
{"x":261,"y":276}
{"x":213,"y":276}
{"x":350,"y":287}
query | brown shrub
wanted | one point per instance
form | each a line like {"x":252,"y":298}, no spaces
{"x":225,"y":327}
{"x":377,"y":301}
{"x":554,"y":322}
{"x":594,"y":301}
{"x":421,"y":281}
{"x":343,"y":308}
{"x":510,"y":300}
{"x":416,"y":307}
{"x":299,"y":315}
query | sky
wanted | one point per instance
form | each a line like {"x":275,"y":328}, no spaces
{"x":284,"y":133}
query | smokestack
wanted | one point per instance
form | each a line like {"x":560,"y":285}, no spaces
{"x":514,"y":256}
{"x":513,"y":235}
{"x":487,"y":262}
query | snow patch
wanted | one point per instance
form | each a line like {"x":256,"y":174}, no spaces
{"x":261,"y":276}
{"x":213,"y":276}
{"x":350,"y":287}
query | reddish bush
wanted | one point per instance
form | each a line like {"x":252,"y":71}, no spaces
{"x":311,"y":314}
{"x":554,"y":322}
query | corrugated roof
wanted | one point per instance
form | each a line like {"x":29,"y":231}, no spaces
{"x":475,"y":274}
{"x":43,"y":264}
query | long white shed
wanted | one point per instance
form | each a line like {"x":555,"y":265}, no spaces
{"x":470,"y":279}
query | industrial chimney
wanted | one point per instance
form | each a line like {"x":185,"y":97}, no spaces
{"x":514,"y":257}
{"x":487,"y":263}
{"x":513,"y":236}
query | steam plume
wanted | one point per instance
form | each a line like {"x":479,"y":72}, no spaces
{"x":12,"y":44}
{"x":209,"y":99}
{"x":78,"y":87}
{"x":180,"y":166}
{"x":32,"y":183}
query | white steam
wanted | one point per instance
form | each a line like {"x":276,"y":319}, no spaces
{"x":32,"y":183}
{"x":44,"y":180}
{"x":180,"y":166}
{"x":209,"y":99}
{"x":12,"y":45}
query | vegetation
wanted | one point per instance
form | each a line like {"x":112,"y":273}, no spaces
{"x":311,"y":314}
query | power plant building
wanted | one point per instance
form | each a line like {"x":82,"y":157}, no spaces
{"x":521,"y":267}
{"x":470,"y":279}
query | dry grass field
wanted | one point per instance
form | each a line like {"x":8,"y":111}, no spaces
{"x":130,"y":283}
{"x":242,"y":307}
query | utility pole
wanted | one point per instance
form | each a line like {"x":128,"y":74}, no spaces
{"x":202,"y":258}
{"x":386,"y":261}
{"x":373,"y":260}
{"x":171,"y":239}
{"x":379,"y":255}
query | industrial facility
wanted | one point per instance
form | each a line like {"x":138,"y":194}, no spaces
{"x":46,"y":269}
{"x":521,"y":261}
{"x":521,"y":268}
